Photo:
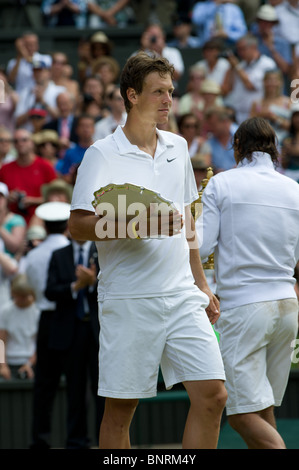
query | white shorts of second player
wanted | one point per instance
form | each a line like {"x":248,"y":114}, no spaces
{"x":255,"y":342}
{"x":137,"y":335}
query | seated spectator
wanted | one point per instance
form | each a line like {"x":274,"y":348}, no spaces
{"x":219,"y":19}
{"x":64,"y":13}
{"x":65,"y":123}
{"x":192,"y":100}
{"x":219,"y":125}
{"x":89,"y":105}
{"x":182,"y":32}
{"x":7,"y":108}
{"x":153,"y":40}
{"x":269,"y":42}
{"x":213,"y":64}
{"x":93,"y":90}
{"x":46,"y":145}
{"x":107,"y":68}
{"x":244,"y":81}
{"x":25,"y":176}
{"x":61,"y":73}
{"x":117,"y":115}
{"x":56,"y":191}
{"x":189,"y":128}
{"x":41,"y":95}
{"x":68,"y":165}
{"x":7,"y":153}
{"x":8,"y":269}
{"x":153,"y":11}
{"x":288,"y":13}
{"x":37,"y":118}
{"x":109,"y":13}
{"x":12,"y":226}
{"x":19,"y":70}
{"x":290,"y":147}
{"x":18,"y":330}
{"x":274,"y":106}
{"x":90,"y":50}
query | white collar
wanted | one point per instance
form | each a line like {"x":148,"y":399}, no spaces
{"x":258,"y":159}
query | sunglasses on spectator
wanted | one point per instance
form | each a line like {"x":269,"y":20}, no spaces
{"x":22,"y":139}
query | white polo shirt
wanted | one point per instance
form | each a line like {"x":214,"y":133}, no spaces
{"x":251,"y":223}
{"x":140,"y":268}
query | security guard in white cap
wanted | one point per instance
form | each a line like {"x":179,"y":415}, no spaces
{"x":55,"y":216}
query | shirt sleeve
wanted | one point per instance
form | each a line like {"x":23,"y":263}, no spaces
{"x":209,"y":220}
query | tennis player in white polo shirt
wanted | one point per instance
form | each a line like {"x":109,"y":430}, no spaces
{"x":251,"y":223}
{"x":155,"y":305}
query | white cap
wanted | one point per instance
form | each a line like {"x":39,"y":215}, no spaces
{"x":4,"y":189}
{"x":53,"y":211}
{"x":267,"y":13}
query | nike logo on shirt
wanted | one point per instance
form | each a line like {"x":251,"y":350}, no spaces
{"x":170,"y":159}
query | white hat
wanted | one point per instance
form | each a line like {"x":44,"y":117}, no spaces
{"x":267,"y":13}
{"x":36,"y":232}
{"x":53,"y":211}
{"x":4,"y":189}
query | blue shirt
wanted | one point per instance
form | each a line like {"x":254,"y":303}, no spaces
{"x":73,"y":156}
{"x":232,"y":19}
{"x":222,"y":157}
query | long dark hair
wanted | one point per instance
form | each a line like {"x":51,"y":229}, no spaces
{"x":255,"y":135}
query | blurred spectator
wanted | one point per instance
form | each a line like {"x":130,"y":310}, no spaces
{"x":19,"y":70}
{"x":107,"y":68}
{"x":90,"y":50}
{"x":55,"y":216}
{"x":214,"y":63}
{"x":269,"y":42}
{"x":189,"y":128}
{"x":219,"y":19}
{"x":74,"y":334}
{"x":68,"y":165}
{"x":182,"y":32}
{"x":8,"y":269}
{"x":61,"y":73}
{"x":93,"y":90}
{"x":7,"y":109}
{"x":41,"y":95}
{"x":221,"y":131}
{"x":25,"y":175}
{"x":244,"y":81}
{"x":153,"y":41}
{"x":37,"y":118}
{"x":12,"y":226}
{"x":288,"y":14}
{"x":65,"y":123}
{"x":46,"y":144}
{"x":89,"y":105}
{"x":103,"y":13}
{"x":249,"y":9}
{"x":18,"y":330}
{"x":7,"y":153}
{"x":56,"y":191}
{"x":64,"y":13}
{"x":192,"y":100}
{"x":290,"y":147}
{"x":274,"y":106}
{"x":153,"y":11}
{"x":116,"y":117}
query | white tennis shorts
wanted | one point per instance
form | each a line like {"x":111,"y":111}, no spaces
{"x":137,"y":335}
{"x":255,"y":342}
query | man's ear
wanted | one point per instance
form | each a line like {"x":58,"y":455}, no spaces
{"x":132,"y":95}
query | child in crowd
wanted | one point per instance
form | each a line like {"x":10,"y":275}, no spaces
{"x":18,"y":329}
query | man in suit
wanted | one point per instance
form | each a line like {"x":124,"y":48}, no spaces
{"x":72,"y":284}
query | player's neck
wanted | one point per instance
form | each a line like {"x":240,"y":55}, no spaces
{"x":144,"y":136}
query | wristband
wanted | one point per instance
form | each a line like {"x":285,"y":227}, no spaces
{"x":134,"y":230}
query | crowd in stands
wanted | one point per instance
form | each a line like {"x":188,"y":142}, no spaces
{"x":52,"y":113}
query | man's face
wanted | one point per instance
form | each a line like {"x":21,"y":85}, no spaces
{"x":155,"y":100}
{"x":5,"y":143}
{"x":31,"y":43}
{"x":85,"y":129}
{"x":23,"y":142}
